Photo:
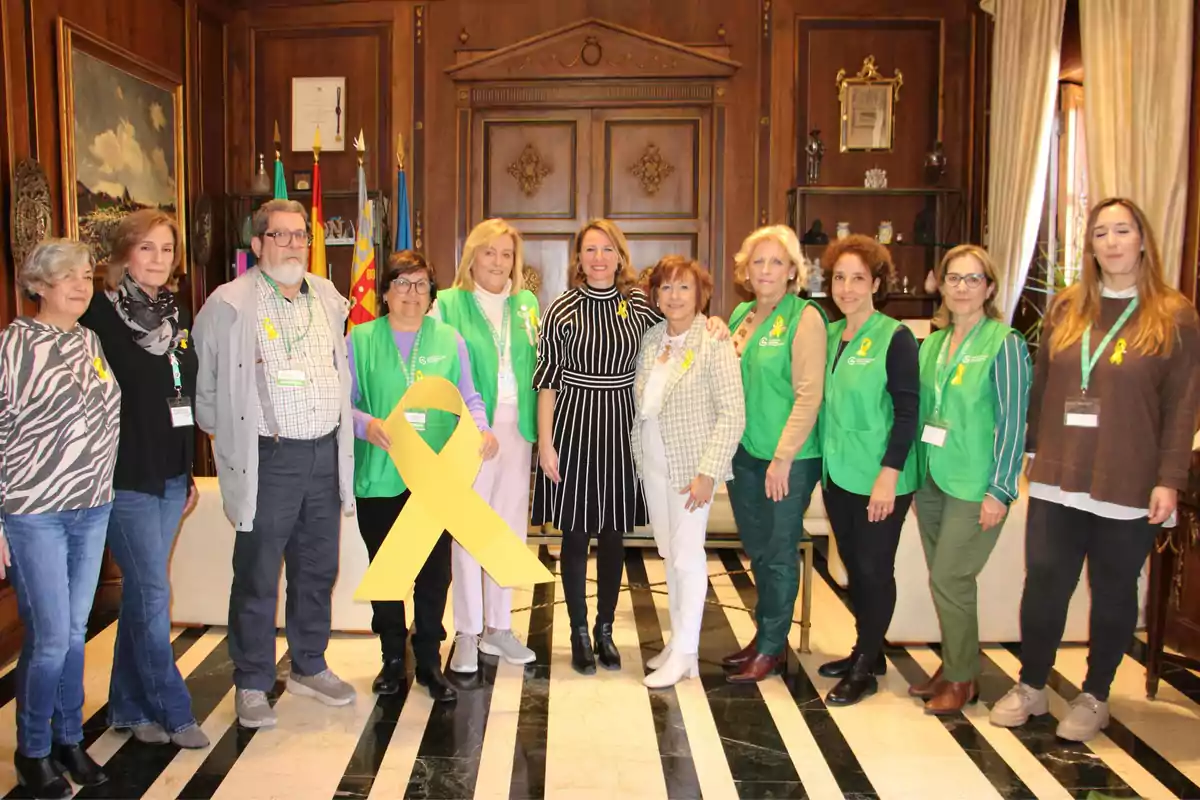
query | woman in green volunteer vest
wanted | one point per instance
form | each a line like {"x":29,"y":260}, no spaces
{"x":498,"y":318}
{"x":780,"y":339}
{"x":872,"y":404}
{"x":386,"y":355}
{"x":975,"y":377}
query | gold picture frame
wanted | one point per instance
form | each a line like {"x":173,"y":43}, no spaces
{"x":121,"y":119}
{"x":868,"y":108}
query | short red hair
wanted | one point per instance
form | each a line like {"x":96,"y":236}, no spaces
{"x":671,"y":267}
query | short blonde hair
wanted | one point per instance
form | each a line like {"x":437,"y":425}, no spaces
{"x":626,"y":278}
{"x":480,"y":237}
{"x":50,"y":261}
{"x":782,"y":235}
{"x":941,"y":319}
{"x":129,"y":233}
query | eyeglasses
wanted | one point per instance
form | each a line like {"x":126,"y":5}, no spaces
{"x":973,"y":280}
{"x":405,"y":286}
{"x":289,"y":238}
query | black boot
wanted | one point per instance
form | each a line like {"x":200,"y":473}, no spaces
{"x":606,"y":652}
{"x":41,"y":777}
{"x":75,"y":760}
{"x":841,"y":666}
{"x":434,"y":680}
{"x":858,"y":683}
{"x":582,"y":657}
{"x":390,"y":678}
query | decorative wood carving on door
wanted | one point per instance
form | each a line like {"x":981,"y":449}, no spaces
{"x":595,"y":120}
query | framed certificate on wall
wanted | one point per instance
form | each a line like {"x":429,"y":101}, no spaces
{"x":318,"y":102}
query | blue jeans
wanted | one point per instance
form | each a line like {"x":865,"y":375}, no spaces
{"x":55,"y":568}
{"x":146,"y":685}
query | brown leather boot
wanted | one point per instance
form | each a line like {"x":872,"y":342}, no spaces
{"x":741,"y":656}
{"x":755,"y":669}
{"x":953,"y":696}
{"x":929,"y":688}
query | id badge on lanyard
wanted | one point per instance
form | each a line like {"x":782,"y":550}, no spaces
{"x":1084,"y":411}
{"x":179,"y":406}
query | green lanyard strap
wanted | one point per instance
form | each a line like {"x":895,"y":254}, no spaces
{"x":501,"y":338}
{"x":1089,"y":360}
{"x":175,"y":376}
{"x":409,"y":369}
{"x":944,"y":370}
{"x":289,"y":344}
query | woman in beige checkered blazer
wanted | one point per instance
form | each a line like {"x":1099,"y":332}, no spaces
{"x":690,"y":417}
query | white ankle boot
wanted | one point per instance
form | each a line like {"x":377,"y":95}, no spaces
{"x":655,"y":662}
{"x":677,"y":667}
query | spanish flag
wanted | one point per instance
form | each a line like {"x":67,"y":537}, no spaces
{"x":317,"y":264}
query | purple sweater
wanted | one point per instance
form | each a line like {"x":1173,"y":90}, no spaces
{"x":404,"y":343}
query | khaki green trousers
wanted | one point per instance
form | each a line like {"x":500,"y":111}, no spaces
{"x":956,"y":550}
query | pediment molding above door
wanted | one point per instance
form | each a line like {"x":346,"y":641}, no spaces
{"x":594,"y":49}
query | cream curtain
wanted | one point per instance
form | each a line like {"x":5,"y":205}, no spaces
{"x":1137,"y":74}
{"x":1024,"y":88}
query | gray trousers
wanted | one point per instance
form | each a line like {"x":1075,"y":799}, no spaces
{"x":298,"y":522}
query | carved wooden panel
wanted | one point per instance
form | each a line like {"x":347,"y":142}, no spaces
{"x":550,"y":256}
{"x":529,"y":169}
{"x":645,"y":249}
{"x":652,"y":168}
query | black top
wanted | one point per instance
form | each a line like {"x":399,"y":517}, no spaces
{"x":904,"y":385}
{"x":150,"y":450}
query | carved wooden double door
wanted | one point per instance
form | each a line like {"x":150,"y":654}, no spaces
{"x":548,"y":171}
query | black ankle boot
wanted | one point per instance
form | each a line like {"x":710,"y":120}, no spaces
{"x":582,"y":657}
{"x":75,"y":760}
{"x":840,"y":667}
{"x":858,"y":683}
{"x":390,"y":678}
{"x":433,"y":679}
{"x":41,"y":777}
{"x":606,"y":652}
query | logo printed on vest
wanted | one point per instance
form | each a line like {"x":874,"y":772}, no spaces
{"x":777,"y":330}
{"x":1118,"y":356}
{"x":430,"y":359}
{"x":864,"y":347}
{"x":975,"y":359}
{"x":862,"y":362}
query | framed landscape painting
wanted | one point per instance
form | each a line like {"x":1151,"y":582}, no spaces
{"x":122,"y":129}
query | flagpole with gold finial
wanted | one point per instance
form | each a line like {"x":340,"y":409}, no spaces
{"x":403,"y":240}
{"x":317,"y":262}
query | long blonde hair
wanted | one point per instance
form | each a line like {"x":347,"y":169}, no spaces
{"x":1078,"y":307}
{"x":626,"y":277}
{"x":480,"y":237}
{"x":941,"y":319}
{"x":782,"y":235}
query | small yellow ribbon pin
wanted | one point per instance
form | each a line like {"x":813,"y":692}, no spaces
{"x":98,"y":365}
{"x":958,"y":375}
{"x":778,"y":327}
{"x":443,"y":498}
{"x":270,"y":329}
{"x":623,"y":310}
{"x":865,"y":346}
{"x":418,"y":375}
{"x":688,"y":358}
{"x":1118,"y":356}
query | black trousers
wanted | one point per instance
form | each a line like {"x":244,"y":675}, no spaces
{"x":610,"y":565}
{"x":1057,"y":540}
{"x":298,"y":523}
{"x":375,"y":518}
{"x":868,"y":549}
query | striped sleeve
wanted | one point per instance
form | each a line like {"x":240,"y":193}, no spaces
{"x":547,"y":373}
{"x":8,"y":351}
{"x":1012,"y":375}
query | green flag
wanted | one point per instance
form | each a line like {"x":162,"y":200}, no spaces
{"x":280,"y":181}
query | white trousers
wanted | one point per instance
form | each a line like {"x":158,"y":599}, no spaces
{"x":679,"y":534}
{"x":503,"y":483}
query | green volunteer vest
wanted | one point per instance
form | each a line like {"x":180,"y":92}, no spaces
{"x":963,"y":466}
{"x":381,"y":384}
{"x":767,"y":378}
{"x":857,"y":416}
{"x":460,"y":310}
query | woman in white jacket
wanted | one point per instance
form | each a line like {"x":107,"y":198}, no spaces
{"x":690,"y":417}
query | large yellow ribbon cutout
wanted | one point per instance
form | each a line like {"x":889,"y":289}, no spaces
{"x":442,"y":497}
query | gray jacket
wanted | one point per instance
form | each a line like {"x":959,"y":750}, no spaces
{"x":227,"y":403}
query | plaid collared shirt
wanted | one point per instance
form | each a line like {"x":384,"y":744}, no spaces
{"x":296,"y":365}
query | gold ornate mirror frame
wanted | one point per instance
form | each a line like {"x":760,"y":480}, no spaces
{"x":868,"y":108}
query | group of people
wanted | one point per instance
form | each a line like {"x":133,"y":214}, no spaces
{"x":639,"y":407}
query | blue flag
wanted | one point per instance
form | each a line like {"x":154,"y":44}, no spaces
{"x":404,"y":239}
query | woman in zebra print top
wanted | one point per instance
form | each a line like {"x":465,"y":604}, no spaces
{"x":59,"y":415}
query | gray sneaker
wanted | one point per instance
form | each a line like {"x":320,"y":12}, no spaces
{"x":191,"y":738}
{"x":505,"y":645}
{"x":324,"y":686}
{"x":253,"y":710}
{"x":150,"y":733}
{"x":1085,"y":719}
{"x":1021,"y":703}
{"x":466,"y":653}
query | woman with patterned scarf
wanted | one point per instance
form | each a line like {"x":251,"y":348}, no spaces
{"x":138,"y":322}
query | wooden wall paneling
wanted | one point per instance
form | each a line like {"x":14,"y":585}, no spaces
{"x":549,"y":254}
{"x":762,"y":150}
{"x":7,"y":267}
{"x":211,"y":94}
{"x":419,"y":55}
{"x":1189,"y":273}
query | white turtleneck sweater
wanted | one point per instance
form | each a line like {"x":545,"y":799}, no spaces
{"x":492,"y":304}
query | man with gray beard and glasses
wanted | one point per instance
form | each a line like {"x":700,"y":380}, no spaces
{"x":274,"y":392}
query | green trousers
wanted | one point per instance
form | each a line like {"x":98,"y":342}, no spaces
{"x":771,"y":534}
{"x":956,"y":550}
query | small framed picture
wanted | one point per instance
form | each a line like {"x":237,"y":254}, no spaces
{"x":302,"y":180}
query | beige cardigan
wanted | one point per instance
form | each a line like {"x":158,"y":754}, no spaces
{"x":703,"y":410}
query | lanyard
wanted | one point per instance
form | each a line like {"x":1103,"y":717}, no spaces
{"x":944,"y":371}
{"x":288,"y":344}
{"x":409,"y":369}
{"x":175,"y":376}
{"x":1089,"y":360}
{"x":501,"y":338}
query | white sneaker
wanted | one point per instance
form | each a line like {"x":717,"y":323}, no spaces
{"x":505,"y":645}
{"x":678,"y":667}
{"x":655,"y":662}
{"x":1087,"y":717}
{"x":1021,"y":703}
{"x":466,"y":653}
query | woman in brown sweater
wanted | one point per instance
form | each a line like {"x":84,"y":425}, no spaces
{"x":1112,"y":413}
